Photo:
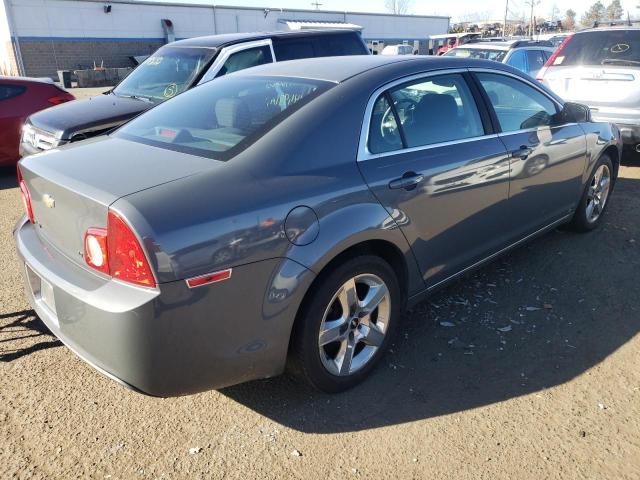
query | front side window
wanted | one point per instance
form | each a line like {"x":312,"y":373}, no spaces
{"x":437,"y":109}
{"x":11,"y":91}
{"x":222,"y":118}
{"x":251,"y":57}
{"x":517,"y":105}
{"x":535,"y":60}
{"x":166,"y":73}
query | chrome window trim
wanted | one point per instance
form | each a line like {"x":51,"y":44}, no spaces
{"x":226,"y":52}
{"x":363,"y":147}
{"x":526,"y":81}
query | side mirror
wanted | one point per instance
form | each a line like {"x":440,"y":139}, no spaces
{"x":575,"y":113}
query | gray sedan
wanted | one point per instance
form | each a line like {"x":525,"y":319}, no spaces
{"x":285,"y":215}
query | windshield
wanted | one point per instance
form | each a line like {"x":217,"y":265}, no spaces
{"x":482,"y":53}
{"x":167,"y":72}
{"x":222,"y":118}
{"x":608,"y":47}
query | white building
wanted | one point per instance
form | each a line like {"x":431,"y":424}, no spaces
{"x":42,"y":36}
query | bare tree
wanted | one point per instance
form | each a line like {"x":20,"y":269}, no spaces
{"x":398,"y":7}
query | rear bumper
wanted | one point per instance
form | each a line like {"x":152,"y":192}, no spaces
{"x":171,"y":340}
{"x":630,"y":134}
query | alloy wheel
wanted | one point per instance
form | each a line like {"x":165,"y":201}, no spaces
{"x":598,"y":193}
{"x":354,"y":324}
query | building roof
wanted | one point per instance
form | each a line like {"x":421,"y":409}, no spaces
{"x":229,"y":38}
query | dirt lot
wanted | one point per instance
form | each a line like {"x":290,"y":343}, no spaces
{"x":538,"y":377}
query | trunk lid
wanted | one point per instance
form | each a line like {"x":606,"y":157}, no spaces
{"x":72,"y":187}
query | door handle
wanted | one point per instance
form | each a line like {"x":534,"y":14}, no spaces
{"x":523,"y":152}
{"x":408,"y":181}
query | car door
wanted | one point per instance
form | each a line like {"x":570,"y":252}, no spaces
{"x":14,"y":106}
{"x":428,"y":154}
{"x":548,"y":157}
{"x":238,"y":57}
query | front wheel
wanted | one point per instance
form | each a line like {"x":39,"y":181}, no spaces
{"x":594,"y":199}
{"x":345,"y":326}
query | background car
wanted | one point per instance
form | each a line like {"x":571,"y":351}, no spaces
{"x":397,"y":50}
{"x":176,"y":67}
{"x":526,"y":55}
{"x":600,"y":67}
{"x":20,"y":97}
{"x":288,"y":213}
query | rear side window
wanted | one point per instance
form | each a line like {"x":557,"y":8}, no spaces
{"x":608,"y":47}
{"x":293,"y":49}
{"x":11,"y":91}
{"x":220,"y":119}
{"x":339,"y":45}
{"x":432,"y":110}
{"x":518,"y":106}
{"x":518,"y":59}
{"x":251,"y":57}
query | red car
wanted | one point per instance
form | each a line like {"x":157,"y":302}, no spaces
{"x":19,"y":98}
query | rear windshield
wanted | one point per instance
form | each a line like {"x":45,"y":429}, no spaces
{"x":609,"y":47}
{"x":484,"y":54}
{"x":221,"y":118}
{"x":167,"y":72}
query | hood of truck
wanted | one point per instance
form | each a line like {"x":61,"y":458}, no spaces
{"x":89,"y":116}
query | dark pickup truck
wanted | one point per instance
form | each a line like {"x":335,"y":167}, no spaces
{"x":173,"y":69}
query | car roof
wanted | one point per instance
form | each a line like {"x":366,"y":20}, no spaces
{"x":213,"y":41}
{"x":508,"y":44}
{"x":339,"y":69}
{"x":605,"y":28}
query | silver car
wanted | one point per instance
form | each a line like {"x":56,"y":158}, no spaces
{"x":600,"y":68}
{"x":286,"y":214}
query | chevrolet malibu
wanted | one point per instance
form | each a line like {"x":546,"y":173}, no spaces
{"x":286,"y":214}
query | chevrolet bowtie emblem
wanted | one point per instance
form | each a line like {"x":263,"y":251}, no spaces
{"x":49,"y":201}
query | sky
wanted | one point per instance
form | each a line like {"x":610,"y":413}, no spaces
{"x":457,"y":9}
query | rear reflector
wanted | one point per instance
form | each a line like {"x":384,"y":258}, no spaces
{"x":26,"y":196}
{"x":209,"y":278}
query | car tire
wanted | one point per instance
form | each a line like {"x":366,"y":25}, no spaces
{"x":594,"y":198}
{"x":351,"y":342}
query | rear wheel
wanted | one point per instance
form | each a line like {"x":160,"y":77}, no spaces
{"x":345,"y":326}
{"x":592,"y":206}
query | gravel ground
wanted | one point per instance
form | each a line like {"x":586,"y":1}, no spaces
{"x":526,"y":369}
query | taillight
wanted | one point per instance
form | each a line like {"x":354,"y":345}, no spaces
{"x":26,"y":196}
{"x":552,"y":58}
{"x":117,"y":252}
{"x":58,"y":99}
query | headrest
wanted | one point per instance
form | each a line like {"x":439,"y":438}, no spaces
{"x":232,"y":113}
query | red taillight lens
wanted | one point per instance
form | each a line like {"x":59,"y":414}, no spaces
{"x":116,"y":251}
{"x":95,"y":249}
{"x":26,"y":196}
{"x":58,"y":99}
{"x":127,"y":260}
{"x":552,"y":58}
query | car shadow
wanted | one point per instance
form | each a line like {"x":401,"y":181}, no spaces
{"x":536,"y":318}
{"x":8,"y":178}
{"x":20,"y":325}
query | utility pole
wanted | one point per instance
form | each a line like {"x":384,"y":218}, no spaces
{"x":533,"y":3}
{"x":504,"y":25}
